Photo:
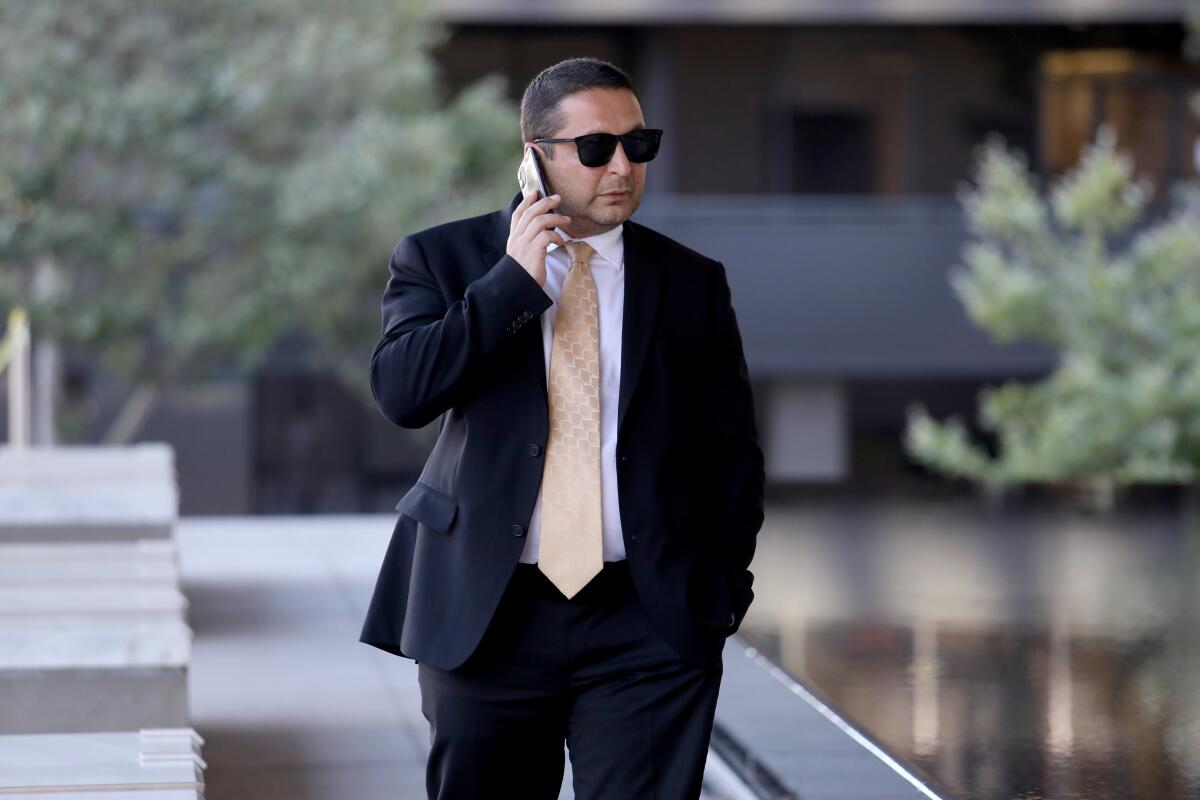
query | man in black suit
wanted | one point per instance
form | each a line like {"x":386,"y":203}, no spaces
{"x":576,"y":550}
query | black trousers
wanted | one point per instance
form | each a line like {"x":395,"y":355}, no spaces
{"x":591,"y":671}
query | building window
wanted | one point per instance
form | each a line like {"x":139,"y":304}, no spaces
{"x":1143,"y":97}
{"x":833,"y":152}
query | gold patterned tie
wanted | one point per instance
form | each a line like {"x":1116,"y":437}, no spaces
{"x":571,"y":546}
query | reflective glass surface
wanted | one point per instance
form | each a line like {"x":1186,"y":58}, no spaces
{"x":1030,"y":650}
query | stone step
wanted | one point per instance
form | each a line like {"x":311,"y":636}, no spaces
{"x":87,"y":493}
{"x":64,"y":512}
{"x":152,"y":462}
{"x":91,"y":642}
{"x":78,"y":658}
{"x":92,"y":699}
{"x":142,"y":562}
{"x":91,"y":600}
{"x":147,"y":764}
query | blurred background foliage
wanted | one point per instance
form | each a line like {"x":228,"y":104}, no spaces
{"x":1191,"y":16}
{"x":1079,"y":269}
{"x":183,"y":183}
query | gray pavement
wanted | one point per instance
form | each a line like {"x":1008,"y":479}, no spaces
{"x":289,"y":703}
{"x":292,"y":706}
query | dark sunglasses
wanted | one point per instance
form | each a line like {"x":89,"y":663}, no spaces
{"x":596,"y":149}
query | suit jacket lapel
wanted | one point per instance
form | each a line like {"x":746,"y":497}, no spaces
{"x":643,"y":289}
{"x":644,"y":279}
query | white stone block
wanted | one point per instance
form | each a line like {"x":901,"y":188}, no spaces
{"x":87,"y":493}
{"x":83,"y":700}
{"x":150,"y":764}
{"x":92,"y":658}
{"x":86,"y":512}
{"x":150,"y":462}
{"x":81,"y":641}
{"x":140,"y":561}
{"x":85,"y":601}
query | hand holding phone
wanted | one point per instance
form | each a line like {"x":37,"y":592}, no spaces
{"x":531,"y":230}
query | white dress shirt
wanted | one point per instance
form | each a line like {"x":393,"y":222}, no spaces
{"x":607,"y":265}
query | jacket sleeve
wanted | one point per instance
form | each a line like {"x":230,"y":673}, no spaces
{"x":737,"y":460}
{"x":428,"y":349}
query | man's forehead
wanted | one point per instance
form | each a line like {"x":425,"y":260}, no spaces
{"x":601,"y":110}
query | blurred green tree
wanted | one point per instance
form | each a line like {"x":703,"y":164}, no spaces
{"x":184,"y":182}
{"x":1191,"y":19}
{"x":1118,"y":298}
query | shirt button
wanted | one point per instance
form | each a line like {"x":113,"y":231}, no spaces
{"x":535,"y":449}
{"x":518,"y":530}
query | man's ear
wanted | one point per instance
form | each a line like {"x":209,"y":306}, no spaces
{"x":543,"y":152}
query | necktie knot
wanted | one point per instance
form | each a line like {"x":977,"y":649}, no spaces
{"x":579,"y":251}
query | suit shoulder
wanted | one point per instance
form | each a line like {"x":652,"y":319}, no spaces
{"x":671,"y":249}
{"x":456,"y":231}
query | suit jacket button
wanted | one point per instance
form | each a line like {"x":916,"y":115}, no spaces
{"x":535,"y":449}
{"x":518,"y":530}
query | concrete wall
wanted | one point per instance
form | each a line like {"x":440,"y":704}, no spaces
{"x":856,"y":288}
{"x":726,"y":97}
{"x":781,"y":12}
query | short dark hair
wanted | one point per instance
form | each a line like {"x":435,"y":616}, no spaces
{"x":540,"y":114}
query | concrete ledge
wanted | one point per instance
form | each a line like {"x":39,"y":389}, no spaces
{"x":71,"y":512}
{"x":87,"y":493}
{"x":81,"y":642}
{"x":151,"y":764}
{"x":139,"y":463}
{"x":86,"y":600}
{"x":85,"y":700}
{"x":92,"y":638}
{"x":144,"y":562}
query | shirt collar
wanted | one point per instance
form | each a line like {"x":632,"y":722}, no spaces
{"x":609,"y":245}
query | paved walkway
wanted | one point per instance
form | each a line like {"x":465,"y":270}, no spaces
{"x":293,"y":707}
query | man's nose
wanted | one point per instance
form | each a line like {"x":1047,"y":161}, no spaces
{"x":619,"y":163}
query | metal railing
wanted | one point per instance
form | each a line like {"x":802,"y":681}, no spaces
{"x":15,"y":357}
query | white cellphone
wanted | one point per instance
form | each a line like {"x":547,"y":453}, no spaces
{"x":530,"y":176}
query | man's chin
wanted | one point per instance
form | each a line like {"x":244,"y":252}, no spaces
{"x":613,"y":213}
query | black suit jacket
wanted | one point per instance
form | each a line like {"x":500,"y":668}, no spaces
{"x":461,"y":340}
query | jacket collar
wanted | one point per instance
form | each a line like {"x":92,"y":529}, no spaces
{"x":609,"y":245}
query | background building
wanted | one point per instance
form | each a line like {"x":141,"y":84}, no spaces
{"x":816,"y":149}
